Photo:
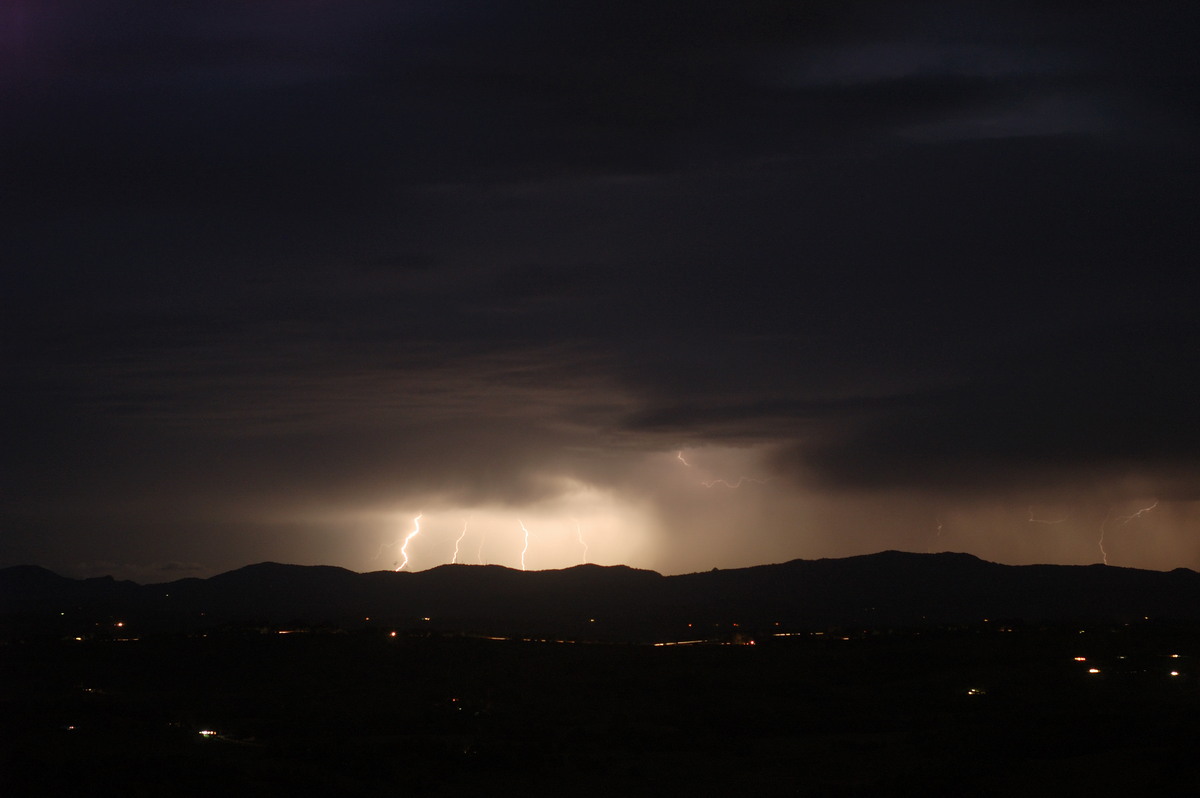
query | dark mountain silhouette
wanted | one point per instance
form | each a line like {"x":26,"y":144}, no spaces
{"x":886,"y":590}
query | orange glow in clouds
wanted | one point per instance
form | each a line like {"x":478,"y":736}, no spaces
{"x":583,"y":524}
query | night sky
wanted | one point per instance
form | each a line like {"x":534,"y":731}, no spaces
{"x":680,"y":285}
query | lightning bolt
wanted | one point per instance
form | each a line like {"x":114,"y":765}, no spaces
{"x":526,"y":531}
{"x":738,"y":484}
{"x":938,"y":520}
{"x":479,"y":551}
{"x":712,"y":482}
{"x":1033,"y":520}
{"x":461,"y":535}
{"x":1125,"y":519}
{"x":582,"y":542}
{"x":404,"y":546}
{"x":1100,"y":542}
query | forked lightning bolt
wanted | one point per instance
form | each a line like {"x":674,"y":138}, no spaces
{"x":679,"y":457}
{"x":1125,"y":519}
{"x":404,"y":546}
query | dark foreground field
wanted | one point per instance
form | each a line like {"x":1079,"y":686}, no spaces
{"x":969,"y":712}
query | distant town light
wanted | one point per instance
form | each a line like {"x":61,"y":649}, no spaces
{"x":393,"y":634}
{"x":208,"y":733}
{"x":1081,"y":659}
{"x":1093,"y":670}
{"x":1174,"y":673}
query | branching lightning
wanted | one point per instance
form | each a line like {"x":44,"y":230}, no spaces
{"x":709,"y":483}
{"x":404,"y":546}
{"x":1125,"y":519}
{"x":526,"y":531}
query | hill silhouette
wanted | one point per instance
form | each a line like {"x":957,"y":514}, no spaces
{"x":888,"y":589}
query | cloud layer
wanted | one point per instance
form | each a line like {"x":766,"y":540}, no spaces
{"x":278,"y":270}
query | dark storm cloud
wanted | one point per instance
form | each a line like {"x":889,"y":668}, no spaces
{"x":332,"y":252}
{"x":1115,"y":403}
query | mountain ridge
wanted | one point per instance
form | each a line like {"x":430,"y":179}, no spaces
{"x":888,"y":589}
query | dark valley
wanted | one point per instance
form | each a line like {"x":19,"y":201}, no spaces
{"x":890,"y":674}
